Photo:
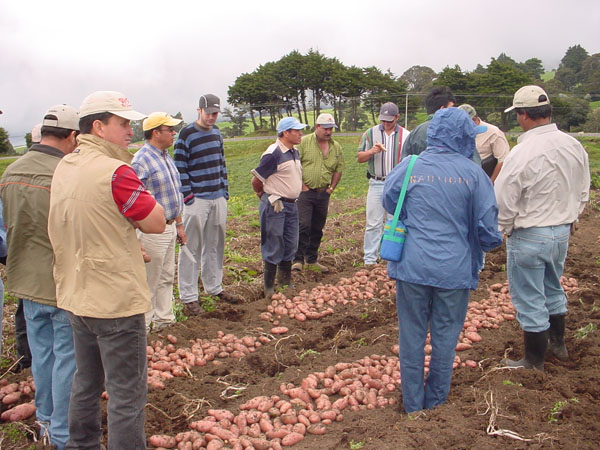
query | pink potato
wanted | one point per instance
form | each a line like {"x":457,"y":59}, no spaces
{"x":19,"y":412}
{"x":162,"y":440}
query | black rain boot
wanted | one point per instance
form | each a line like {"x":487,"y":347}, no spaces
{"x":535,"y":351}
{"x":284,"y":274}
{"x":269,"y":279}
{"x":556,"y":337}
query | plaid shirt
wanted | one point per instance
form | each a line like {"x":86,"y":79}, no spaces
{"x":157,"y":171}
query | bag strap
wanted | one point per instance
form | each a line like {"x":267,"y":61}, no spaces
{"x":413,"y":159}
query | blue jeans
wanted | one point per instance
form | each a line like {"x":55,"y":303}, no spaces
{"x":443,"y":311}
{"x":278,"y":231}
{"x":535,"y":262}
{"x":375,"y":220}
{"x":111,"y":353}
{"x":53,"y":363}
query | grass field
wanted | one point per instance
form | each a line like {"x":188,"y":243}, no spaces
{"x":243,"y":156}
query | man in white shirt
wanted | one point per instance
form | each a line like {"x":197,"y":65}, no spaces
{"x":541,"y":190}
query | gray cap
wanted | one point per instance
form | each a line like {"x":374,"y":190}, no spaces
{"x":210,"y":103}
{"x":61,"y":116}
{"x":469,"y":110}
{"x":388,"y":112}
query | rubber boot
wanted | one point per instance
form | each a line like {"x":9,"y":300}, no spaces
{"x":556,"y":337}
{"x":269,"y":279}
{"x":535,"y":351}
{"x":284,"y":274}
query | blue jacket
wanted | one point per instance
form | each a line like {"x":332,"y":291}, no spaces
{"x":449,"y":211}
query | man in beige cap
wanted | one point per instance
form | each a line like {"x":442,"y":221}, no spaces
{"x":322,"y":167}
{"x":96,"y":203}
{"x":541,"y":190}
{"x":25,"y":192}
{"x":492,"y":145}
{"x":156,"y":169}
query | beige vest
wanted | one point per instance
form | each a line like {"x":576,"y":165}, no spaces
{"x":98,"y":269}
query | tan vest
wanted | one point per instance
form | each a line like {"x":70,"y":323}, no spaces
{"x":99,"y":269}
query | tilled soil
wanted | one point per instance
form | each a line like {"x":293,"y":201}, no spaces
{"x":488,"y":407}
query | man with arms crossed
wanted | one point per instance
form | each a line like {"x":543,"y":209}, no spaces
{"x":322,"y":166}
{"x":96,"y":203}
{"x":541,"y":190}
{"x":25,"y":191}
{"x":155,"y":168}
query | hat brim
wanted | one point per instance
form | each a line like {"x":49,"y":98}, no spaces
{"x":129,"y":115}
{"x":211,"y":110}
{"x":480,"y":129}
{"x":327,"y":125}
{"x":509,"y":109}
{"x":386,"y":118}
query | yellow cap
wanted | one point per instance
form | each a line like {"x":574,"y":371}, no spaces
{"x":156,"y":119}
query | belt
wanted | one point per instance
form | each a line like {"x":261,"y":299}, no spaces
{"x":288,"y":200}
{"x":378,"y":178}
{"x":321,"y":189}
{"x":169,"y":222}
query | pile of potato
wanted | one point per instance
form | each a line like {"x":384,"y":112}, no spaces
{"x":13,"y":393}
{"x":280,"y":421}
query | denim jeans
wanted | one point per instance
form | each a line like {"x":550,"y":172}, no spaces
{"x":443,"y":311}
{"x":111,"y":353}
{"x":312,"y":213}
{"x":535,"y":262}
{"x":204,"y":222}
{"x":53,"y":364}
{"x":21,"y":343}
{"x":278,"y":231}
{"x":375,"y":220}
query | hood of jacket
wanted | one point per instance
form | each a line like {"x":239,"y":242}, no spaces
{"x":452,"y":129}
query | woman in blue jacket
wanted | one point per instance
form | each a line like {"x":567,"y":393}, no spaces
{"x":451,"y":218}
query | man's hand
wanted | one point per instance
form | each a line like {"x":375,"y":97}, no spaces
{"x":146,"y":256}
{"x":181,"y":236}
{"x":278,"y":206}
{"x":574,"y":227}
{"x":377,"y":148}
{"x":304,"y":187}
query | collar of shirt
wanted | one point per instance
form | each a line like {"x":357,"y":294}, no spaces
{"x":282,"y":147}
{"x":47,"y":149}
{"x":537,"y":131}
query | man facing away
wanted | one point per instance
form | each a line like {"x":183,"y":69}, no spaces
{"x":156,"y":169}
{"x":200,"y":158}
{"x":492,"y":145}
{"x":541,"y":190}
{"x":96,"y":203}
{"x":322,"y":166}
{"x":381,"y":147}
{"x":25,"y":191}
{"x":277,"y":182}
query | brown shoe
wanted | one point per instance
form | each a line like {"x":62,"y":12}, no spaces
{"x":317,"y":267}
{"x":229,"y":298}
{"x":192,"y":308}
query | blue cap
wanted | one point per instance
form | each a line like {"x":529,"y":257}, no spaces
{"x":480,"y":129}
{"x":289,"y":123}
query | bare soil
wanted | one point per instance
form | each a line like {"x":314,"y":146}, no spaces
{"x":489,"y":407}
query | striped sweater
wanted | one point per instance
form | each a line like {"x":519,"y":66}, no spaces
{"x":200,"y":158}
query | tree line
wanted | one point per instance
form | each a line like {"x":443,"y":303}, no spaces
{"x":302,"y":82}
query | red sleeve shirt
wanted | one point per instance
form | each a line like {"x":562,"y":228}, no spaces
{"x":130,"y":195}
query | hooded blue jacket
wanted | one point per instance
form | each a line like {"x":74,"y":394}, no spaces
{"x":449,"y":211}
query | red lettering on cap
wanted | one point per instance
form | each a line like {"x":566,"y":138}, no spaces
{"x":125,"y":102}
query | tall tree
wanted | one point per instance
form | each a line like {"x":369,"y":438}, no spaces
{"x":533,"y":67}
{"x":574,"y":58}
{"x":590,"y":76}
{"x":317,"y":70}
{"x":291,"y":66}
{"x":5,"y":145}
{"x":418,"y":78}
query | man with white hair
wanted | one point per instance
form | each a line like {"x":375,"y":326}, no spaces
{"x":96,"y":204}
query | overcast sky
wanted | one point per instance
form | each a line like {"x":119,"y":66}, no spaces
{"x":164,"y":55}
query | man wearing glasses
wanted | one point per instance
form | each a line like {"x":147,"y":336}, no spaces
{"x":25,"y":191}
{"x":381,"y":148}
{"x":156,"y":170}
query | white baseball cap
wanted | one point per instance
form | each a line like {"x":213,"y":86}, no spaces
{"x":109,"y":101}
{"x":61,"y":116}
{"x":529,"y":97}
